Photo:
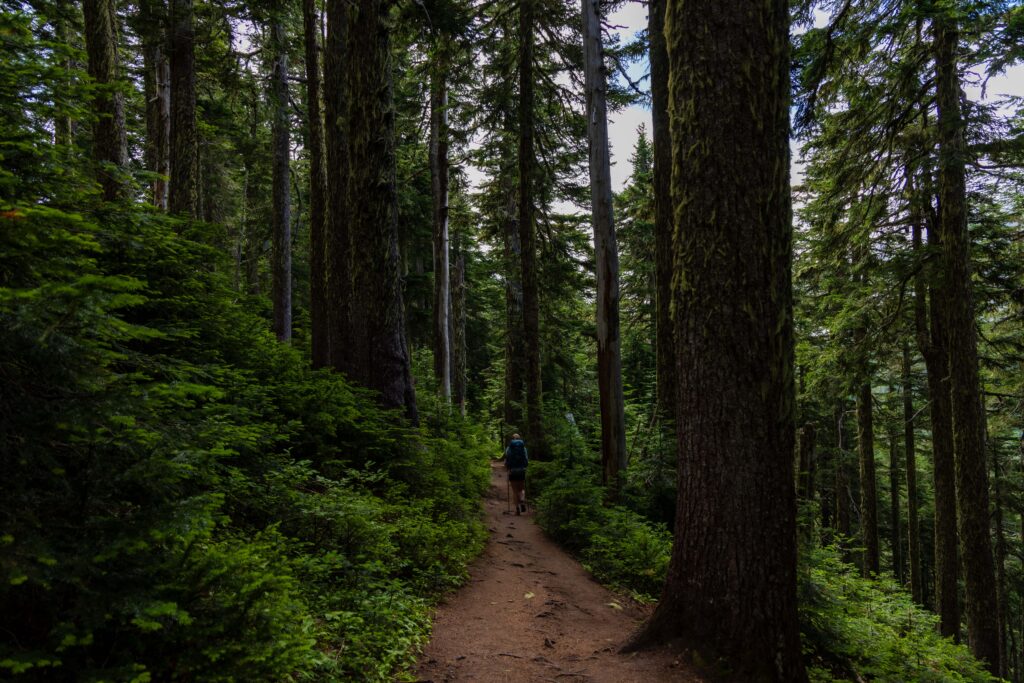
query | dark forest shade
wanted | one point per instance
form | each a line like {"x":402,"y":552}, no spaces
{"x":380,"y":356}
{"x":968,"y":420}
{"x":110,"y":146}
{"x":731,"y":585}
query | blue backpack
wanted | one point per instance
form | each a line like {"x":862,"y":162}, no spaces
{"x":515,"y":458}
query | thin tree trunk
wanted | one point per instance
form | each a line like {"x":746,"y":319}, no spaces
{"x":63,"y":130}
{"x":868,"y":492}
{"x":379,"y":350}
{"x":281,"y":258}
{"x":439,"y":193}
{"x":110,"y":142}
{"x":318,"y":312}
{"x":913,"y":526}
{"x":515,"y":345}
{"x":337,"y":240}
{"x":184,"y":154}
{"x":157,"y":87}
{"x":930,"y":340}
{"x":1000,"y":556}
{"x":666,"y":368}
{"x":606,"y":254}
{"x":459,"y":332}
{"x":528,"y":232}
{"x":805,"y":476}
{"x":735,"y":524}
{"x":895,"y":536}
{"x":968,"y":434}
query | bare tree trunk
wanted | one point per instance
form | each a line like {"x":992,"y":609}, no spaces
{"x":666,"y":369}
{"x":735,"y":525}
{"x":281,"y":259}
{"x":459,"y":332}
{"x":930,"y":340}
{"x":63,"y":130}
{"x":380,"y":354}
{"x":338,"y":243}
{"x":1000,"y":556}
{"x":184,"y":188}
{"x":528,"y":232}
{"x":968,"y":432}
{"x":895,"y":536}
{"x":318,"y":311}
{"x":805,"y":476}
{"x":439,"y":192}
{"x":515,"y":344}
{"x":157,"y":86}
{"x":606,"y":254}
{"x":868,"y":493}
{"x":110,"y":141}
{"x":913,"y":527}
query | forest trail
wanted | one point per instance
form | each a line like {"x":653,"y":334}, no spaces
{"x":530,"y":612}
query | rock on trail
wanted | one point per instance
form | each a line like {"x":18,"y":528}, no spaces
{"x":531,"y":613}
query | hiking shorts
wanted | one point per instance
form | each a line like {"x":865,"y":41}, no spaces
{"x":517,"y":474}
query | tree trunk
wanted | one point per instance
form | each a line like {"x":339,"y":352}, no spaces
{"x":157,"y":86}
{"x":528,"y":233}
{"x":63,"y":129}
{"x":515,"y":345}
{"x":805,"y":476}
{"x":337,"y":240}
{"x":1000,"y":556}
{"x":666,"y":367}
{"x":968,"y":434}
{"x":868,"y":493}
{"x":281,"y":258}
{"x":735,"y":524}
{"x":606,"y":254}
{"x":318,"y":312}
{"x":895,"y":536}
{"x":931,"y":342}
{"x":913,"y":528}
{"x":439,"y":193}
{"x":184,"y":189}
{"x":110,"y":142}
{"x":458,"y":352}
{"x":380,"y":356}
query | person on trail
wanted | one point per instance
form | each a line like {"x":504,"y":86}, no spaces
{"x":516,"y":462}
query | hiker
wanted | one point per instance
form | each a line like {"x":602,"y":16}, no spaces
{"x":516,"y":462}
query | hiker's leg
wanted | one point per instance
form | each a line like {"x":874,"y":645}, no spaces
{"x":517,"y":490}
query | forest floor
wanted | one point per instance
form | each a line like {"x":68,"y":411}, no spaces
{"x":530,"y":612}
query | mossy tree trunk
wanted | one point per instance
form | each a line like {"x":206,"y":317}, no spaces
{"x":606,"y":254}
{"x":110,"y":142}
{"x":528,"y":232}
{"x":666,"y":368}
{"x":380,"y":355}
{"x":735,"y":525}
{"x":318,"y":310}
{"x":183,"y":197}
{"x":281,"y":256}
{"x":973,"y":513}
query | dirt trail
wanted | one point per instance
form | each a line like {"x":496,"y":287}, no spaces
{"x":531,"y":613}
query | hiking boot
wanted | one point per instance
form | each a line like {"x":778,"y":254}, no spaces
{"x":522,"y":507}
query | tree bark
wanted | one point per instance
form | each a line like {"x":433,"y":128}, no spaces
{"x":338,"y":277}
{"x":110,"y":141}
{"x":663,"y":259}
{"x":931,"y":342}
{"x":459,"y":332}
{"x":184,"y":189}
{"x":805,"y":476}
{"x":515,"y":345}
{"x":380,"y":355}
{"x":606,"y":254}
{"x":735,"y":524}
{"x":913,"y":526}
{"x":968,"y":431}
{"x":318,"y":310}
{"x":868,"y":478}
{"x":895,"y":536}
{"x":528,"y":233}
{"x":157,"y":86}
{"x":281,"y":258}
{"x":439,"y":193}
